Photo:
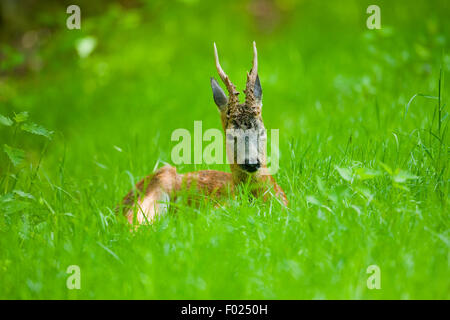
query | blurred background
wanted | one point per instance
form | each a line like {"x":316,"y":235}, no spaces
{"x":139,"y":69}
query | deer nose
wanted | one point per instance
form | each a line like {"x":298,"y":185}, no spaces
{"x":251,"y":167}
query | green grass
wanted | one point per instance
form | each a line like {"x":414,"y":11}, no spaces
{"x":365,"y":169}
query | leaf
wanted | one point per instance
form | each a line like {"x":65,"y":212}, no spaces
{"x":313,"y":200}
{"x":366,"y":193}
{"x":37,"y":129}
{"x":5,"y":121}
{"x":320,"y":185}
{"x":85,"y":46}
{"x":402,"y":176}
{"x":15,"y":155}
{"x":21,"y":117}
{"x":101,"y":165}
{"x":7,"y":198}
{"x":346,"y":173}
{"x":387,"y":168}
{"x":11,"y":205}
{"x":14,"y":206}
{"x":366,"y":174}
{"x":357,"y":209}
{"x":400,"y":186}
{"x":23,"y":194}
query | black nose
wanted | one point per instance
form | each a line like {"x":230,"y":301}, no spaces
{"x":251,"y":167}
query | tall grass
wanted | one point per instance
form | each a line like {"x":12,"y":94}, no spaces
{"x":363,"y":126}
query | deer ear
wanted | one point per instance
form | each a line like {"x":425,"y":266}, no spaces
{"x":220,"y":98}
{"x":257,"y":90}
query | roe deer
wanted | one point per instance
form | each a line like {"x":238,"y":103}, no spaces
{"x":152,"y":194}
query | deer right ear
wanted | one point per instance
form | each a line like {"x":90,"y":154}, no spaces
{"x":220,"y":98}
{"x":257,"y":91}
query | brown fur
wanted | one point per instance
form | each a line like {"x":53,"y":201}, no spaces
{"x":150,"y":196}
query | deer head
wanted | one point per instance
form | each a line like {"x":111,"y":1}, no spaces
{"x":242,"y":123}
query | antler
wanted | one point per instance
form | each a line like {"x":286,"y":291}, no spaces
{"x":254,"y":71}
{"x":230,"y":86}
{"x":251,"y":78}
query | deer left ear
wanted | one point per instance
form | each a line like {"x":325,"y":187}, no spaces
{"x":220,"y":98}
{"x":257,"y":90}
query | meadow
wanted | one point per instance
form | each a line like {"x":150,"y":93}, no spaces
{"x":364,"y":151}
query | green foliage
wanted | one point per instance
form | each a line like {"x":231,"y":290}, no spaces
{"x":15,"y":155}
{"x":21,"y":117}
{"x":363,"y":121}
{"x":5,"y":121}
{"x":36,"y":129}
